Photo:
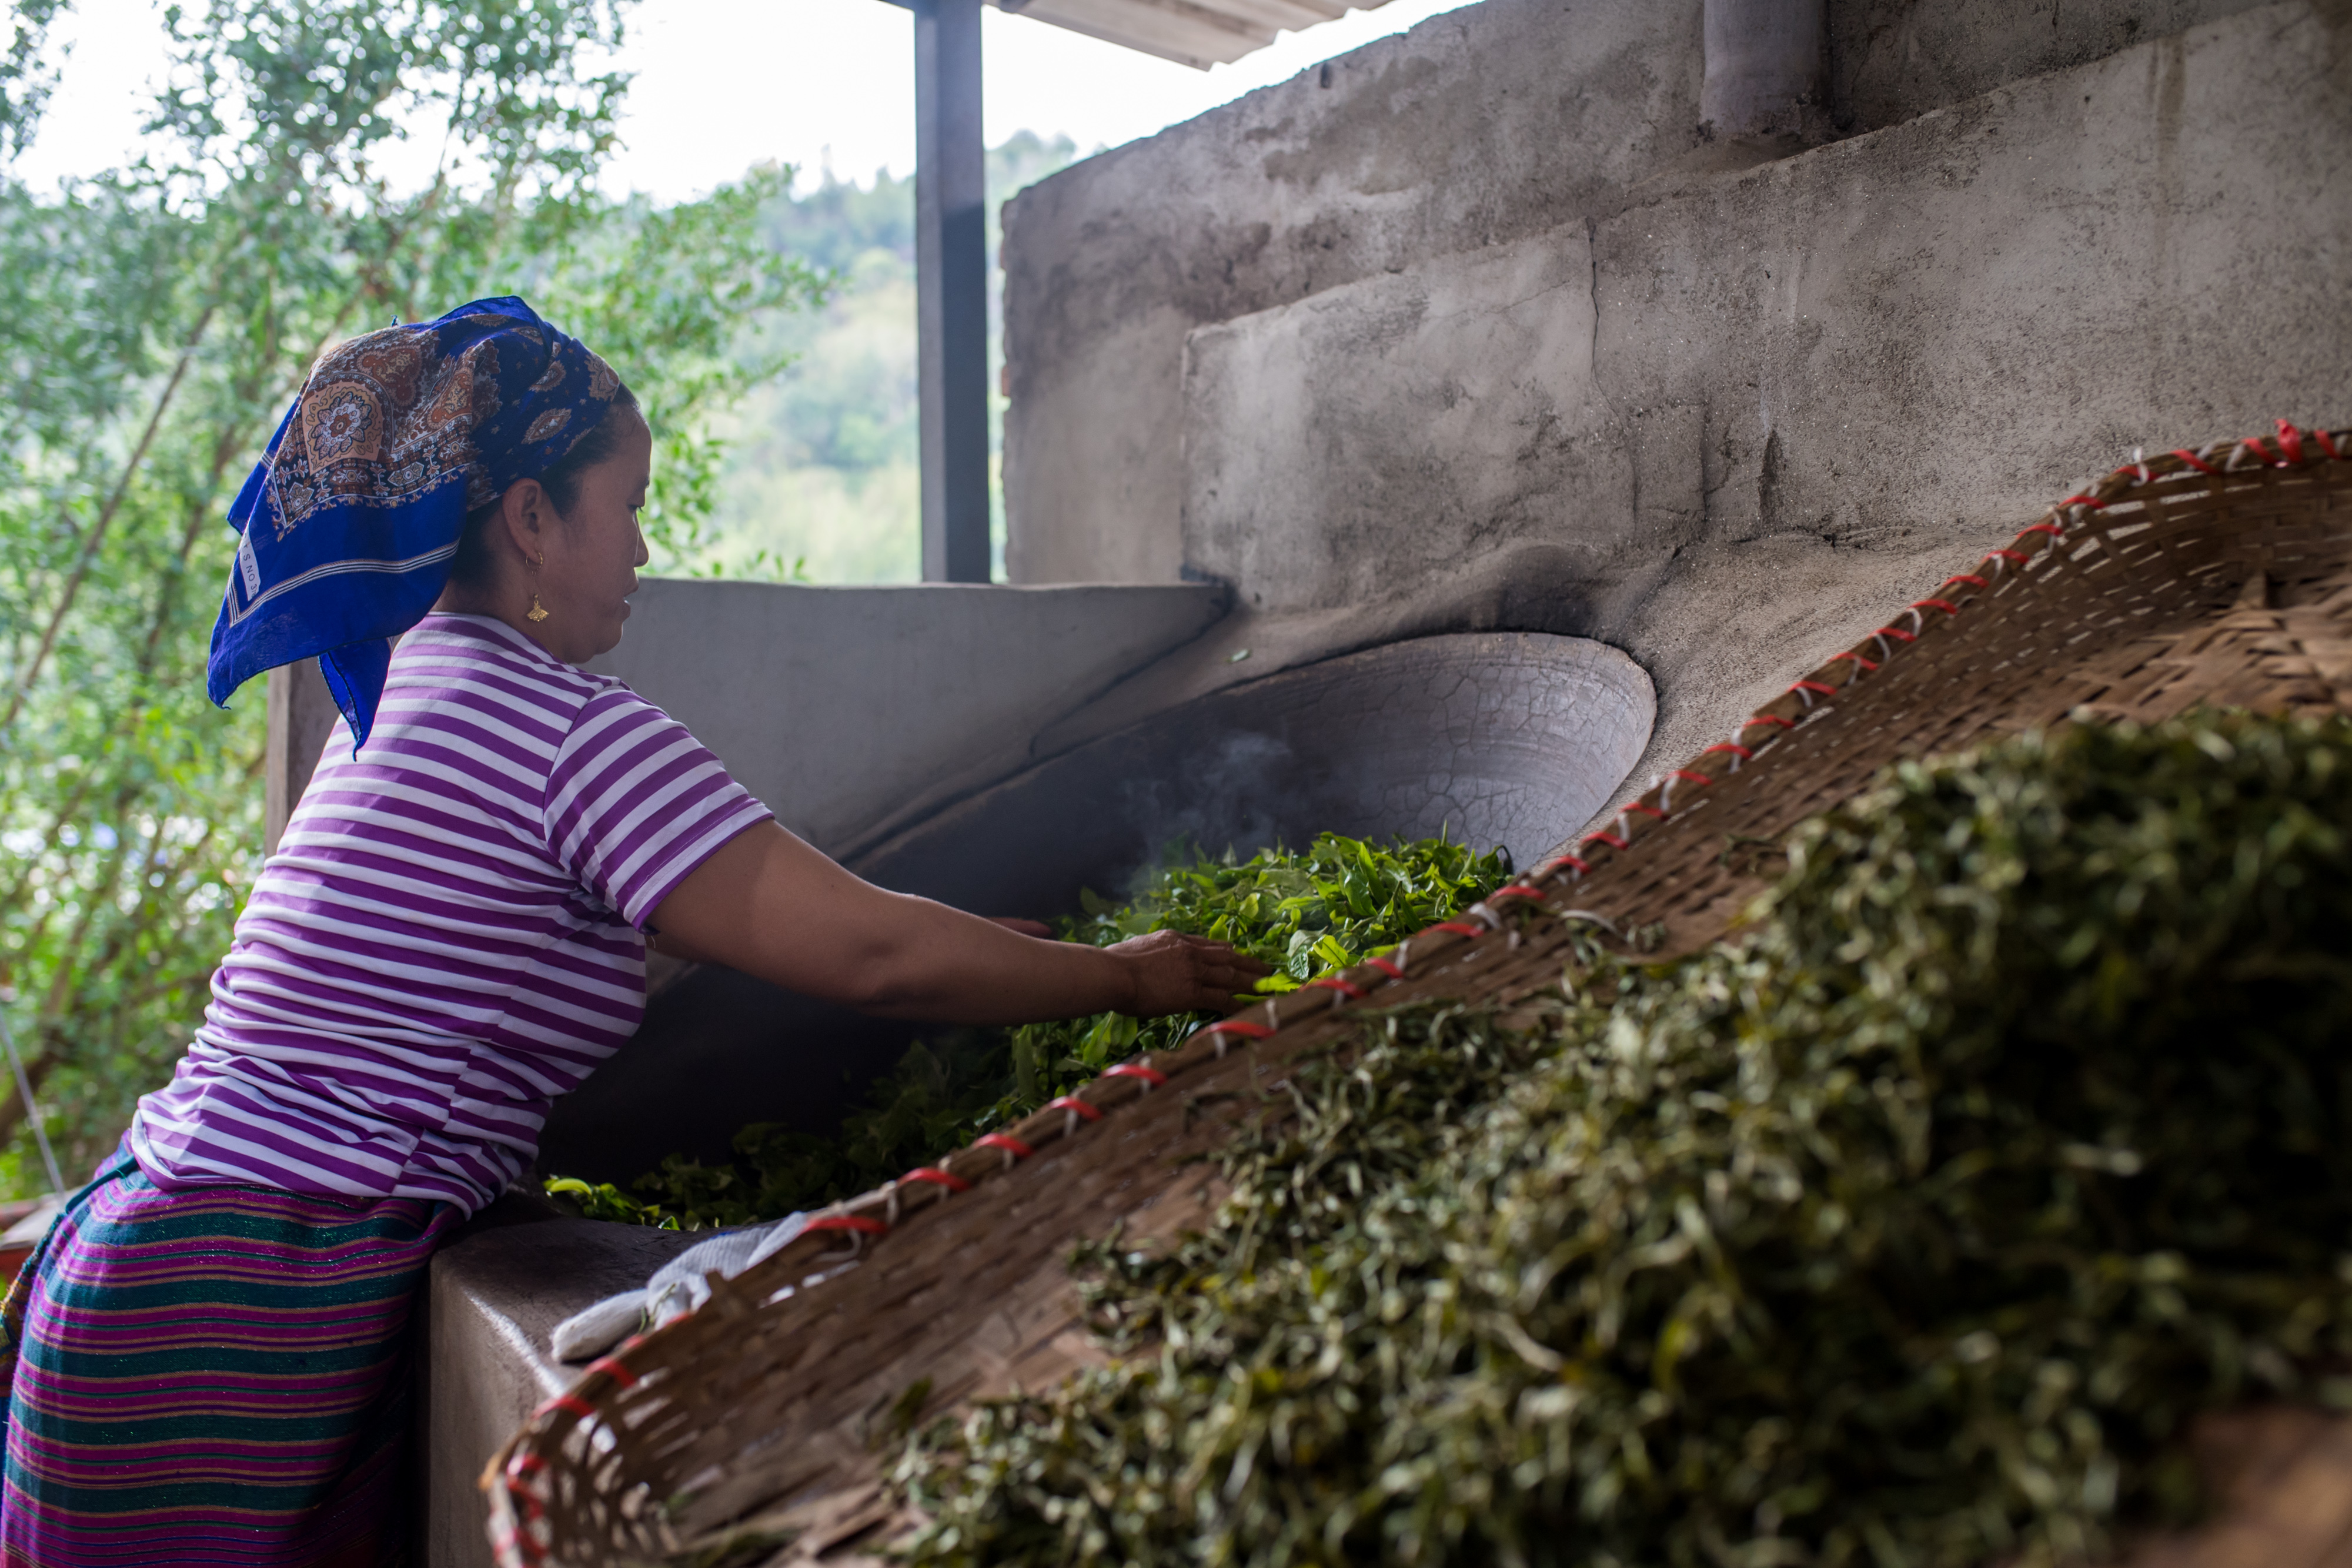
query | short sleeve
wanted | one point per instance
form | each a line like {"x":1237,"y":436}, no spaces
{"x":635,"y":803}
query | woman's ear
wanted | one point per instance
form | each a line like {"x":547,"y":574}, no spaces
{"x":525,"y":511}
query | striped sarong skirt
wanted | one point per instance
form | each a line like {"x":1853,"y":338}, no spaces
{"x":218,"y":1376}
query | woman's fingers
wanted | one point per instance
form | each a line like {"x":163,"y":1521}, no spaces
{"x":1223,"y":954}
{"x":1176,"y":973}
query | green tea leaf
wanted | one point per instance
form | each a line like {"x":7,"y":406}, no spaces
{"x":1908,"y":1231}
{"x":1278,"y":906}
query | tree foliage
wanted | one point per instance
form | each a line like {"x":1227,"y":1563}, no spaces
{"x":154,"y":322}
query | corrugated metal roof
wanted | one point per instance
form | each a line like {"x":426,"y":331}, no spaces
{"x":1197,"y":33}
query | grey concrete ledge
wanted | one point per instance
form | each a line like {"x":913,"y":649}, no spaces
{"x":493,"y":1296}
{"x":849,"y":709}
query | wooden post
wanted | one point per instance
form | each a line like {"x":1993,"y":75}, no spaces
{"x":301,"y":713}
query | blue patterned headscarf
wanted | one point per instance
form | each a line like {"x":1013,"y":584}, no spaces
{"x":351,"y":518}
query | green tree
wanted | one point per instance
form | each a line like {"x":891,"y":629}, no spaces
{"x":825,"y":469}
{"x":155,"y":320}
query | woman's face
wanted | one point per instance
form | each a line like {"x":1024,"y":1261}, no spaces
{"x":590,"y":559}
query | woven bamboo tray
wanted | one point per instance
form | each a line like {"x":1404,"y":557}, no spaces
{"x":2220,"y":576}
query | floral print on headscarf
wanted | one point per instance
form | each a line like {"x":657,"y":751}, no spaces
{"x":352,"y":515}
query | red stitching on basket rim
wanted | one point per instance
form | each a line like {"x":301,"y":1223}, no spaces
{"x":613,"y":1370}
{"x":1333,"y":983}
{"x":938,"y":1177}
{"x":1386,"y":967}
{"x":1150,"y":1077}
{"x":1806,"y":689}
{"x":1004,"y":1140}
{"x":1071,"y":1102}
{"x":863,"y":1224}
{"x":519,"y":1491}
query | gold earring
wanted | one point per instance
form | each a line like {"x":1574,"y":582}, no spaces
{"x":538,"y":612}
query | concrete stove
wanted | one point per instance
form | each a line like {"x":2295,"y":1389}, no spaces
{"x":1497,"y":737}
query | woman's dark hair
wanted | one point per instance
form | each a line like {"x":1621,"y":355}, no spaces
{"x":561,"y":483}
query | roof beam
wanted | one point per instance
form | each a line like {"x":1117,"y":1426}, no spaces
{"x":1196,"y":33}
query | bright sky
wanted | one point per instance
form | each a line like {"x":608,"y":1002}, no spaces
{"x":723,"y":84}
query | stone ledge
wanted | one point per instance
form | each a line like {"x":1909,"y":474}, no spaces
{"x":518,"y":1269}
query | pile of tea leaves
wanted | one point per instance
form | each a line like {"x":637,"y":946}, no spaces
{"x":1908,"y":1230}
{"x":1307,"y":911}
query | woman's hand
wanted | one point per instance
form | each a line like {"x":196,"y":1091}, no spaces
{"x":769,"y":905}
{"x":1173,"y":973}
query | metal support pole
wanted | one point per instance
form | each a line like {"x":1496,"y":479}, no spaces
{"x":952,"y":290}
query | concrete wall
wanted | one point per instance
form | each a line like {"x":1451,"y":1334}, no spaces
{"x":1487,"y":124}
{"x":1725,"y":414}
{"x":1479,"y":125}
{"x":852,"y":710}
{"x":1890,"y":59}
{"x":1750,"y":410}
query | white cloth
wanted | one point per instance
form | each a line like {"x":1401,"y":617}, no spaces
{"x":678,"y":1288}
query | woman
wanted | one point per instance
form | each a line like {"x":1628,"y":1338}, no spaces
{"x":208,"y":1349}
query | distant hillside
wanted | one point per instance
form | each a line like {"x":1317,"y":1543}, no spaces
{"x":823,"y":469}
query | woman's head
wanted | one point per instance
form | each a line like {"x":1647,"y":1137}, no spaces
{"x":565,"y":541}
{"x":399,"y":440}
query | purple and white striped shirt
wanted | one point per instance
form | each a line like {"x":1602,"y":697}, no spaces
{"x":447,"y":938}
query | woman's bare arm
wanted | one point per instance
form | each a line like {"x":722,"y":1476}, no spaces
{"x":769,"y":905}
